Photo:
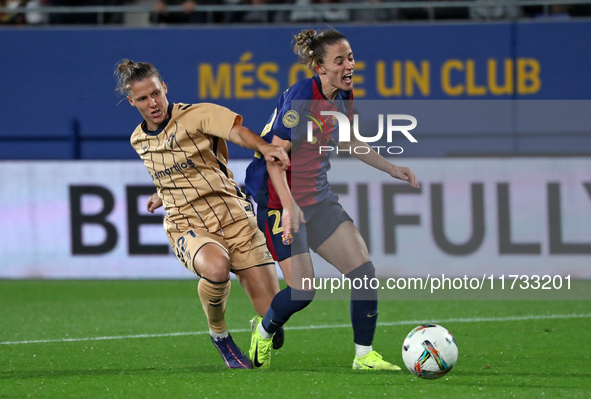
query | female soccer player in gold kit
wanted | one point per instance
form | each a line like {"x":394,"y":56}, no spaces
{"x":211,"y":226}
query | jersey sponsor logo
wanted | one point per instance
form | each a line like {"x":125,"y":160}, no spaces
{"x":177,"y":167}
{"x":322,"y":126}
{"x":318,"y":119}
{"x":291,"y":119}
{"x":326,"y":141}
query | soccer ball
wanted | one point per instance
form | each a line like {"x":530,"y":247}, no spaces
{"x":429,"y":351}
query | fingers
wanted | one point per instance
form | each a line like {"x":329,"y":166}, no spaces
{"x":297,"y":220}
{"x":278,"y":155}
{"x":404,"y":173}
{"x":302,"y":219}
{"x":284,"y":156}
{"x":150,"y":205}
{"x":286,"y":222}
{"x":295,"y":224}
{"x":154,"y":202}
{"x":283,"y":165}
{"x":287,"y":229}
{"x":403,"y":176}
{"x":412,"y":179}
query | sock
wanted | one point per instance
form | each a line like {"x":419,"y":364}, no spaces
{"x":263,"y":332}
{"x":282,"y":307}
{"x":216,"y":335}
{"x":364,"y":304}
{"x":362,"y":350}
{"x":213,"y":296}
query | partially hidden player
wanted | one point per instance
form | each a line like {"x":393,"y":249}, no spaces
{"x":210,"y":224}
{"x":301,"y":199}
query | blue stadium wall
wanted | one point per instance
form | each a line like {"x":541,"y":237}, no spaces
{"x":58,"y":86}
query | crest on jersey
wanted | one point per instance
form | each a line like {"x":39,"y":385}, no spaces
{"x":291,"y":119}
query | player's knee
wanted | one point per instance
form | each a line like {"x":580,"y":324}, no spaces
{"x":366,"y":270}
{"x":214,"y":265}
{"x":216,"y":273}
{"x":216,"y":269}
{"x":364,"y":282}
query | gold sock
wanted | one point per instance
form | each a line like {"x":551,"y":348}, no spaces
{"x":213,"y":298}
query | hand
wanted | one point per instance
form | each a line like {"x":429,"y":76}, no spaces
{"x":154,"y":203}
{"x":290,"y":220}
{"x":276,"y":154}
{"x":404,"y":173}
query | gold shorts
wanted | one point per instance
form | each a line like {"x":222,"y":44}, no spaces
{"x":242,"y":240}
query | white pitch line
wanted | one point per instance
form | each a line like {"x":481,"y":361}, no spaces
{"x":385,"y":324}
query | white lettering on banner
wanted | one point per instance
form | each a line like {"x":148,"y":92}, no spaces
{"x":345,"y":132}
{"x":471,"y":216}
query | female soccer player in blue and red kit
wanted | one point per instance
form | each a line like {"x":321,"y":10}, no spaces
{"x":307,"y":204}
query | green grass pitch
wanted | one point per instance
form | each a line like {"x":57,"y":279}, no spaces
{"x":146,"y":339}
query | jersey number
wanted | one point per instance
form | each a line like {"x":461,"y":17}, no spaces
{"x":276,"y":228}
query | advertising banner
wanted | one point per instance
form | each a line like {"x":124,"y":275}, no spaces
{"x":471,"y":216}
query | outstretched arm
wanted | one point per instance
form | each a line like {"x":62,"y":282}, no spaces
{"x":273,"y":153}
{"x":374,"y":159}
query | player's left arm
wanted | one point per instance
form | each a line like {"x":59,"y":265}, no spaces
{"x":372,"y":158}
{"x":292,"y":215}
{"x":244,"y":137}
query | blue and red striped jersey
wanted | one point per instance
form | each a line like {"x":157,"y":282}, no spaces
{"x":299,"y":106}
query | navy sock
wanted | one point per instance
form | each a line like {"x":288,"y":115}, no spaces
{"x":364,"y":304}
{"x":282,"y":307}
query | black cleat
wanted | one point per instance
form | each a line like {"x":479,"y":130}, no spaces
{"x":278,"y":338}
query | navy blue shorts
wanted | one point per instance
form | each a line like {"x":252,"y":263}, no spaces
{"x":322,"y":219}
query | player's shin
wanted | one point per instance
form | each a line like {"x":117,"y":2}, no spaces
{"x":285,"y":303}
{"x":213,"y":296}
{"x":364,"y":305}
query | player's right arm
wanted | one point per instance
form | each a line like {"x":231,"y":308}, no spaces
{"x":372,"y":158}
{"x":274,"y":154}
{"x":292,"y":215}
{"x":219,"y":121}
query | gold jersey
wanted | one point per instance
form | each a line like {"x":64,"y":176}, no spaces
{"x":187,"y":160}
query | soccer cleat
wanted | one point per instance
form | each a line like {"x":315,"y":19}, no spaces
{"x":231,"y":353}
{"x":278,"y":338}
{"x":373,"y":361}
{"x":260,"y":348}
